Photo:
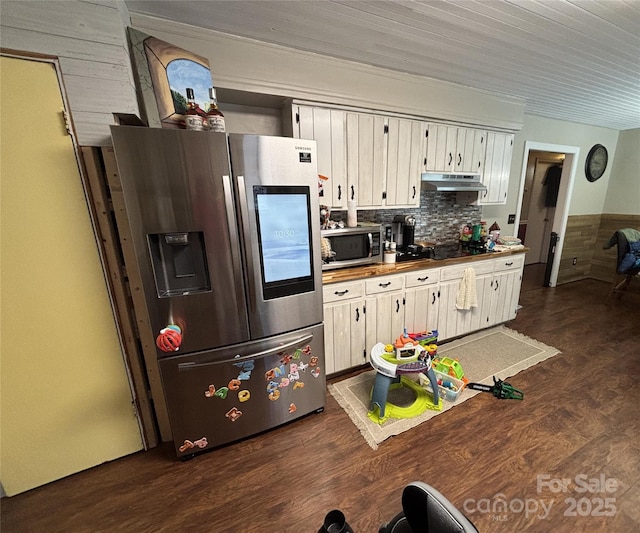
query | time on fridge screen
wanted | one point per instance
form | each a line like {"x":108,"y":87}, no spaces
{"x":283,"y":221}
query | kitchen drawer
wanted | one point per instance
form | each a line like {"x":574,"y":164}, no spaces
{"x":337,"y":292}
{"x":510,"y":262}
{"x":421,"y":278}
{"x":384,"y":284}
{"x":456,"y":272}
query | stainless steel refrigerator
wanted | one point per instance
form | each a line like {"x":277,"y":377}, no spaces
{"x":226,"y":234}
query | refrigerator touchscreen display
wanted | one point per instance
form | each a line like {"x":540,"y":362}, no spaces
{"x":284,"y":235}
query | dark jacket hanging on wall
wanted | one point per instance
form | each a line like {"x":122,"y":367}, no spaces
{"x":552,"y":183}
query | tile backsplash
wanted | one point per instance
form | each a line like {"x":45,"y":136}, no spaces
{"x":438,"y":219}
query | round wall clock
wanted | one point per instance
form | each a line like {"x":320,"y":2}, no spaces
{"x":596,"y":162}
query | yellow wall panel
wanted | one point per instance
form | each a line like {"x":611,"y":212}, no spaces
{"x":66,"y":404}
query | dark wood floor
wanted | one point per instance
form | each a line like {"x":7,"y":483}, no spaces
{"x":579,"y":418}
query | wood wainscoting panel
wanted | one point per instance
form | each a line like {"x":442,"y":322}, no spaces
{"x":579,"y":243}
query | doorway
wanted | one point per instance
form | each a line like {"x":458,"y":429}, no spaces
{"x":539,"y":203}
{"x":546,"y":186}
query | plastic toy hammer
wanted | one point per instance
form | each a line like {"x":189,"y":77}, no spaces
{"x":500,"y":389}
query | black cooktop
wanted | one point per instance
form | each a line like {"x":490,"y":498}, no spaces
{"x":448,"y":251}
{"x":412,"y":255}
{"x":440,"y":251}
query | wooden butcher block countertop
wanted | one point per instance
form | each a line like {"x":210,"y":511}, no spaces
{"x":382,"y":269}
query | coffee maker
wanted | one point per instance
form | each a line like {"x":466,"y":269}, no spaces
{"x":403,"y":230}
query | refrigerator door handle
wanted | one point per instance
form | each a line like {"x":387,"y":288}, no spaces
{"x":231,"y":222}
{"x":247,"y":253}
{"x":242,"y":197}
{"x":301,"y":340}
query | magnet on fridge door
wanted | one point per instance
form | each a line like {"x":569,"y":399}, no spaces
{"x":188,"y":445}
{"x":233,"y":414}
{"x":222,"y":392}
{"x":274,"y":395}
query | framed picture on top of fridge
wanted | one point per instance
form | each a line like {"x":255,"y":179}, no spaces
{"x":163,"y":72}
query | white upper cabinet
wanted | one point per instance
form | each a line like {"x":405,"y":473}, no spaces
{"x":328,"y":128}
{"x":455,"y":149}
{"x":384,"y":160}
{"x":440,"y":148}
{"x":471,"y":158}
{"x":497,"y":167}
{"x":405,"y":153}
{"x":372,"y":159}
{"x":366,"y":159}
{"x":377,"y":160}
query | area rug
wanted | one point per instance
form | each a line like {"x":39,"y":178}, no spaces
{"x":499,"y":352}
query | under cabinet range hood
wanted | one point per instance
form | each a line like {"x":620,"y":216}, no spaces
{"x":452,"y":182}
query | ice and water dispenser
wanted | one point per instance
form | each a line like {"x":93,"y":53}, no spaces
{"x":179,"y":263}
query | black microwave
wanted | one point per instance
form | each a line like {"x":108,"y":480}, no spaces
{"x":347,"y":247}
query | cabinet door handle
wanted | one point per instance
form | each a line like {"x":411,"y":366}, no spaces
{"x":459,"y":159}
{"x":496,"y":286}
{"x":357,"y":314}
{"x":339,"y":192}
{"x":414,"y":192}
{"x":397,"y":306}
{"x":450,"y":158}
{"x":434,"y":299}
{"x":384,"y":285}
{"x":353,"y":193}
{"x":341,"y":293}
{"x":423,"y":279}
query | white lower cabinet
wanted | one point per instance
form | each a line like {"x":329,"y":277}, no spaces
{"x":422,"y":300}
{"x":504,"y":290}
{"x":453,"y":321}
{"x":385,"y":308}
{"x":344,"y":326}
{"x":359,"y":314}
{"x":447,"y":315}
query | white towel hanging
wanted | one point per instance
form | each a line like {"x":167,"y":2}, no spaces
{"x":467,"y":296}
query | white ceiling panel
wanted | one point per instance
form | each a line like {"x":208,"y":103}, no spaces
{"x":575,"y":60}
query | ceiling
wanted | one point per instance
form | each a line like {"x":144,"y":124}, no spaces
{"x":574,"y":60}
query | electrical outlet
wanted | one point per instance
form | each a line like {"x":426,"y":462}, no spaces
{"x":575,"y":261}
{"x":512,"y":219}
